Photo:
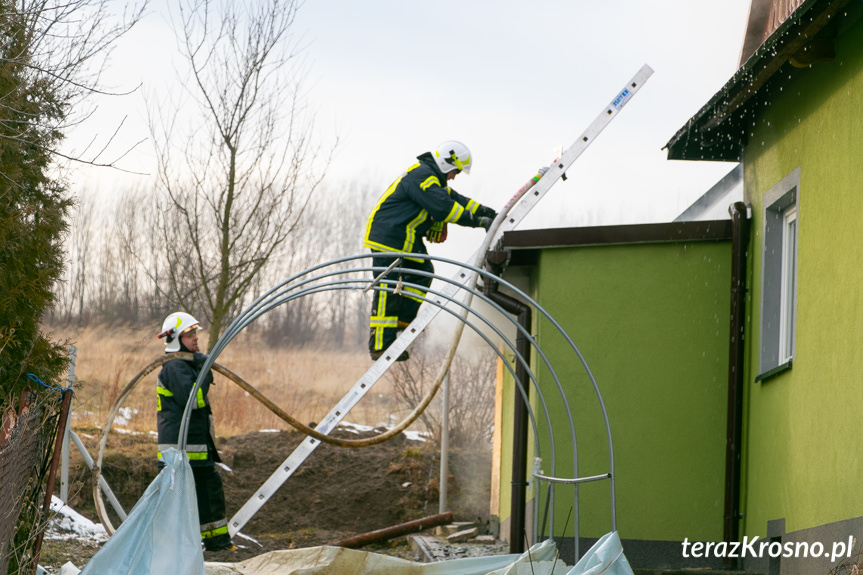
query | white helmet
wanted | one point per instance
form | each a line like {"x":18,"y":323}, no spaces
{"x":173,"y":327}
{"x":452,"y":155}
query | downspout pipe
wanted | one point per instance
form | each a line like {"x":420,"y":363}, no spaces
{"x":495,"y":262}
{"x":740,"y":229}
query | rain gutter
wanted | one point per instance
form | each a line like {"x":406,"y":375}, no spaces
{"x":518,"y":498}
{"x":740,"y":225}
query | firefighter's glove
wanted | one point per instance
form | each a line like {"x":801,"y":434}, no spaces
{"x":485,"y":211}
{"x":437,"y":233}
{"x":485,"y":222}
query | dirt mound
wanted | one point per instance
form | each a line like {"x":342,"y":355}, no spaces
{"x":337,"y":493}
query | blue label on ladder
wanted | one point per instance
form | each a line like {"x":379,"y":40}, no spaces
{"x":621,"y":99}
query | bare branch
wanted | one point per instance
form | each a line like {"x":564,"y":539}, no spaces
{"x":249,"y":165}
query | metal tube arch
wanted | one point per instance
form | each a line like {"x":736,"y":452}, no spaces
{"x":261,"y":306}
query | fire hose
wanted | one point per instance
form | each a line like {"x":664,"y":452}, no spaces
{"x":254,"y":392}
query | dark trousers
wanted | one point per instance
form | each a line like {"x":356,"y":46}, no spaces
{"x":211,"y":507}
{"x":389,"y":310}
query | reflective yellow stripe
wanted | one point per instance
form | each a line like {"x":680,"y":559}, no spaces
{"x":201,"y":402}
{"x":387,"y":194}
{"x":407,"y":291}
{"x":196,"y":452}
{"x":193,"y":455}
{"x":455,"y":213}
{"x":429,"y":182}
{"x":411,"y":235}
{"x":214,"y":532}
{"x":380,"y":321}
{"x":377,"y":207}
{"x":472,"y":206}
{"x":213,"y":525}
{"x":161,"y":391}
{"x":379,"y":247}
{"x":382,"y":248}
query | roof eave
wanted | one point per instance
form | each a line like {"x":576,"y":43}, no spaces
{"x":717,"y":132}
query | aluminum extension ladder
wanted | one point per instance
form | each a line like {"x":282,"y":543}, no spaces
{"x":523,"y":203}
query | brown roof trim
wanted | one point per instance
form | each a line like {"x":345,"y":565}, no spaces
{"x":524,"y":245}
{"x":716,"y":230}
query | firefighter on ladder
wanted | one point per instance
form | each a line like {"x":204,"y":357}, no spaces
{"x":175,"y":383}
{"x":418,"y":204}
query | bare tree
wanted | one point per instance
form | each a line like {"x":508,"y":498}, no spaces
{"x":238,"y":172}
{"x":330,"y":238}
{"x":64,"y":46}
{"x":80,"y":256}
{"x":471,"y":393}
{"x":128,"y":230}
{"x":50,"y":54}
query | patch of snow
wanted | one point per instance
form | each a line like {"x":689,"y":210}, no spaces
{"x":357,"y":428}
{"x":122,"y":431}
{"x":124,"y":415}
{"x":69,"y":524}
{"x":416,"y":435}
{"x":270,"y":431}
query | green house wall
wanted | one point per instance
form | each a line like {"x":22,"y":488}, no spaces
{"x":652,"y":323}
{"x":802,"y":461}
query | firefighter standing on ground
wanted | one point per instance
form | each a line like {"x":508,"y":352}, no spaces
{"x":418,"y":204}
{"x":176,"y":381}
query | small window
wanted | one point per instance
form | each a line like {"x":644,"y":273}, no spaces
{"x":779,"y":276}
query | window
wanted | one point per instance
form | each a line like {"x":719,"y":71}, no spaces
{"x":779,"y":276}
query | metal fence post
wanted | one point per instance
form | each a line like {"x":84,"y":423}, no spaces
{"x":64,"y":464}
{"x":444,"y":445}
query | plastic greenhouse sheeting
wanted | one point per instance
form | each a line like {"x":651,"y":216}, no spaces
{"x":604,"y":558}
{"x":161,"y":534}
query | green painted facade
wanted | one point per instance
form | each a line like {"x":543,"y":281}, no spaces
{"x":652,"y":321}
{"x":801,"y":456}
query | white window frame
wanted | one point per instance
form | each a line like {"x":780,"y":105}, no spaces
{"x":779,"y":265}
{"x":788,"y":293}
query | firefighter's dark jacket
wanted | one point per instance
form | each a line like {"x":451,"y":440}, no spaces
{"x":418,"y":199}
{"x":175,"y":382}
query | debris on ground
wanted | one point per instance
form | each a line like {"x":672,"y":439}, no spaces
{"x":338,"y":493}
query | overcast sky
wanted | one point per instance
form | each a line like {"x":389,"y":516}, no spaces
{"x":511,"y":79}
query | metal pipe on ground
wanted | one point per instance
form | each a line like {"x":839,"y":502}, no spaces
{"x":394,"y":531}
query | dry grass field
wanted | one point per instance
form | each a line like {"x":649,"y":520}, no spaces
{"x":306,"y":383}
{"x":337,"y":493}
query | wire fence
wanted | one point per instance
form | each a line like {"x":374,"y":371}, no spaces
{"x":21,"y":454}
